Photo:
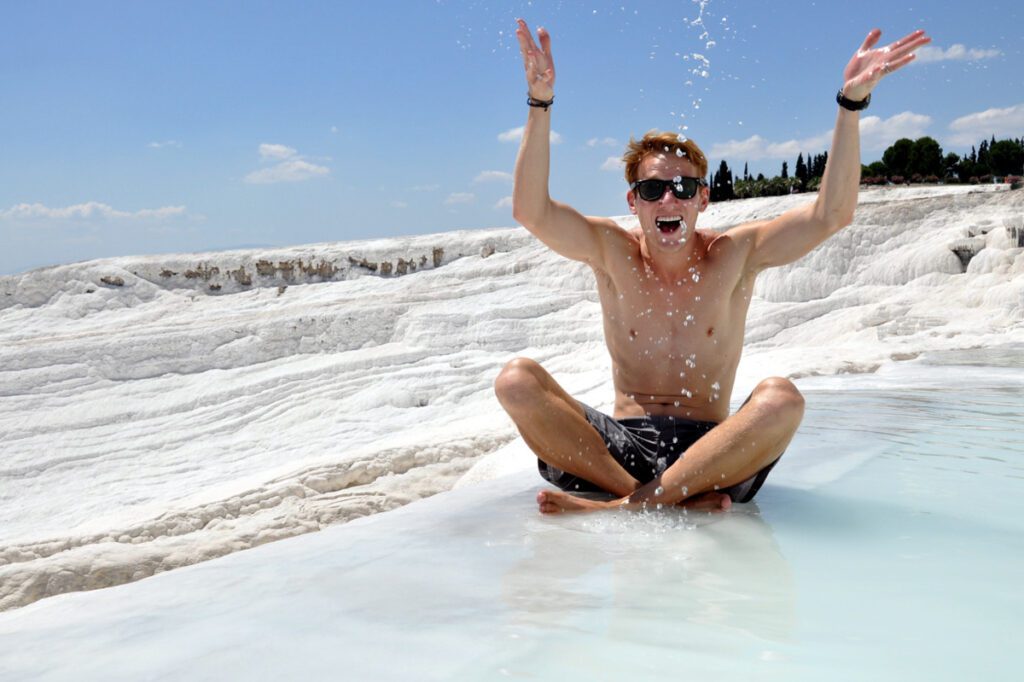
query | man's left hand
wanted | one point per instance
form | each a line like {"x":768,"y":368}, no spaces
{"x":871,"y":64}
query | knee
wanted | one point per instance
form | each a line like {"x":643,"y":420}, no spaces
{"x":782,"y":397}
{"x":518,"y":383}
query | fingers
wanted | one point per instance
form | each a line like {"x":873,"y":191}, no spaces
{"x":898,"y":63}
{"x":545,"y":45}
{"x":526,"y":44}
{"x":871,"y":40}
{"x":907,"y":44}
{"x":545,"y":41}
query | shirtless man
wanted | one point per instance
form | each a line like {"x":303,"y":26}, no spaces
{"x":674,"y":302}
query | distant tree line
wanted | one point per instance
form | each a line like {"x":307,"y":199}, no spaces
{"x":905,"y":161}
{"x":922,"y":160}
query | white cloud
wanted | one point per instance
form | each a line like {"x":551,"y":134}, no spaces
{"x":294,"y":170}
{"x":875,"y":133}
{"x":504,"y":202}
{"x":878,"y":134}
{"x":493,"y":176}
{"x":613,"y":163}
{"x":89,"y":211}
{"x":292,"y":167}
{"x":957,"y":52}
{"x":971,"y":128}
{"x":756,"y":147}
{"x":459,"y":198}
{"x":602,"y":142}
{"x":516,"y":134}
{"x":165,"y":143}
{"x":276,"y":151}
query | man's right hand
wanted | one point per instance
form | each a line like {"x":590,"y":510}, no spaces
{"x":540,"y":68}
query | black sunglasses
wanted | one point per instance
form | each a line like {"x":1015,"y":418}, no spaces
{"x":653,"y":189}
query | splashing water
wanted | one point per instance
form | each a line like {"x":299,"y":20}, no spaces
{"x":697,"y":62}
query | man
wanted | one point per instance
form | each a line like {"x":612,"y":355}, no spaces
{"x":674,"y":302}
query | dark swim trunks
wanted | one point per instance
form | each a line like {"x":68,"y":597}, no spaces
{"x":645,"y":447}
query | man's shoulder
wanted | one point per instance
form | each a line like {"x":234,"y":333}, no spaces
{"x":727,"y":251}
{"x":729,"y":240}
{"x":615,"y":237}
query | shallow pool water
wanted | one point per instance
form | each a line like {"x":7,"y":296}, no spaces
{"x":888,"y":545}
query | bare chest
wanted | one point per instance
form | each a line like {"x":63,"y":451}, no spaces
{"x":646,"y":318}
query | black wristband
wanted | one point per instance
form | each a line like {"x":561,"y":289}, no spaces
{"x":542,"y":103}
{"x":852,"y":105}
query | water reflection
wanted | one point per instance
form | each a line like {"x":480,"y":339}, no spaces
{"x":653,"y":578}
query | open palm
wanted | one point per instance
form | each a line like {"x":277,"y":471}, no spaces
{"x":870,"y":64}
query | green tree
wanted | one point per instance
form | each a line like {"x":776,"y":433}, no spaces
{"x":925,"y":157}
{"x":785,"y":170}
{"x":801,"y":170}
{"x":818,"y":165}
{"x":982,"y":166}
{"x":1006,"y":157}
{"x":951,"y":165}
{"x":897,"y":157}
{"x":721,"y":184}
{"x":876,"y":169}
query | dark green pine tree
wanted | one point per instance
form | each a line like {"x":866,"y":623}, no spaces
{"x":726,"y":179}
{"x":818,"y":165}
{"x":983,"y":157}
{"x":746,"y":175}
{"x":721,"y":184}
{"x":785,"y":170}
{"x":801,"y":170}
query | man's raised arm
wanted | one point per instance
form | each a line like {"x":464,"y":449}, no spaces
{"x":560,"y":227}
{"x":795,"y":233}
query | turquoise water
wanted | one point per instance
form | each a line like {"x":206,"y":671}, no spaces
{"x":905,"y":567}
{"x":888,"y":545}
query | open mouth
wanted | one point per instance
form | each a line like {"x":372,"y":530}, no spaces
{"x":668,"y":224}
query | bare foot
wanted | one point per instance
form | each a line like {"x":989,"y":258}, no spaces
{"x":555,"y":501}
{"x":711,"y":502}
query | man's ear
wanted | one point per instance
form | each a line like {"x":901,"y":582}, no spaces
{"x":705,"y":198}
{"x":631,"y":200}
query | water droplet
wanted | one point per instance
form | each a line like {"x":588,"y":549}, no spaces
{"x":659,"y":490}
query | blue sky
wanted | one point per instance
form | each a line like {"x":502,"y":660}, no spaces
{"x":150,"y":127}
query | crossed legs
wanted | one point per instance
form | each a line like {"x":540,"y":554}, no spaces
{"x":554,"y":426}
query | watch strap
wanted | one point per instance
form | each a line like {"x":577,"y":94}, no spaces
{"x":852,"y":105}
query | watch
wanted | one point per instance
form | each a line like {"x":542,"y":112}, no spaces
{"x":852,"y":105}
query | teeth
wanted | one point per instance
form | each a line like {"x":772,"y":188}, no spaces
{"x":669,"y":219}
